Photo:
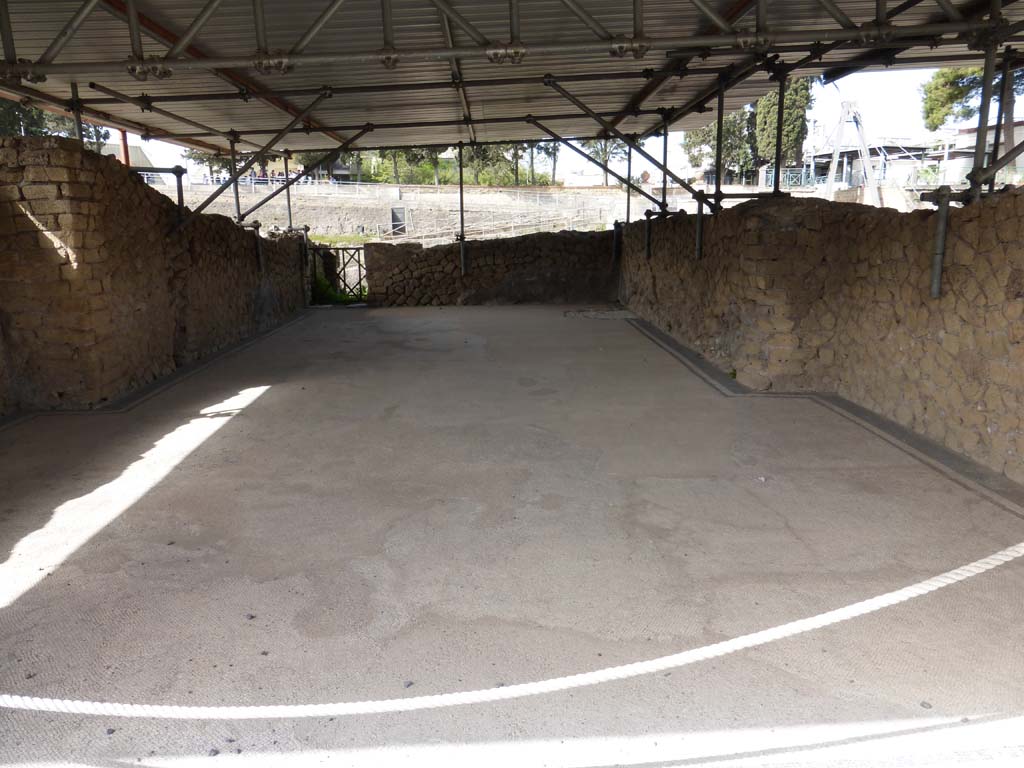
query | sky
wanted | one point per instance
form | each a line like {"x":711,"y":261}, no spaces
{"x":889,"y":103}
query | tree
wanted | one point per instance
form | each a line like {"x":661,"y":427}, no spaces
{"x":427,"y":155}
{"x":954,"y":93}
{"x":22,"y":120}
{"x":550,"y":150}
{"x":213,"y":162}
{"x":605,"y":151}
{"x":392,"y":155}
{"x":736,"y":153}
{"x":794,"y":123}
{"x":481,"y":157}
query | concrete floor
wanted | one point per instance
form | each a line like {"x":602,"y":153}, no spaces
{"x":387,"y":504}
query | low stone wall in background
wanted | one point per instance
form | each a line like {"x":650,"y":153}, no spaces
{"x":562,"y":267}
{"x":812,"y":295}
{"x":98,"y":299}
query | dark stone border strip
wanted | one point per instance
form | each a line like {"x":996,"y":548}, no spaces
{"x":995,"y":487}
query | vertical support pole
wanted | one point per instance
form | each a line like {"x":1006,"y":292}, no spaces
{"x":134,"y":31}
{"x":881,"y":17}
{"x":777,"y":181}
{"x":513,"y":21}
{"x":700,"y":226}
{"x":126,"y":158}
{"x":260,"y":22}
{"x":234,"y":185}
{"x":1004,"y":83}
{"x":638,"y":19}
{"x":462,"y":217}
{"x":629,"y":175}
{"x":664,"y":165}
{"x":762,"y":17}
{"x":76,"y":109}
{"x":981,"y":144}
{"x":10,"y":54}
{"x":719,"y":129}
{"x":287,"y":189}
{"x":938,"y":255}
{"x":178,"y":173}
{"x":387,"y":23}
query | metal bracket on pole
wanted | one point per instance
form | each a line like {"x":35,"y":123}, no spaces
{"x":565,"y":142}
{"x":326,"y":159}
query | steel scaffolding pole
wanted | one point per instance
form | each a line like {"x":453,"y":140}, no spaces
{"x":256,"y":155}
{"x":779,"y":119}
{"x":719,"y":129}
{"x":183,"y":42}
{"x":981,"y":142}
{"x":326,"y":159}
{"x":462,"y":219}
{"x":234,"y":182}
{"x":565,"y":142}
{"x":287,"y":189}
{"x":7,"y":34}
{"x":629,"y":175}
{"x":64,"y":36}
{"x":316,"y":26}
{"x":664,"y":167}
{"x":1004,"y":83}
{"x":76,"y":110}
{"x":597,"y":117}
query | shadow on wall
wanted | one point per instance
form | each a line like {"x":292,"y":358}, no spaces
{"x":812,"y":295}
{"x":98,"y":298}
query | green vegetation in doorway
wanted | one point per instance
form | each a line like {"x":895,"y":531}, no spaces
{"x":323,"y":293}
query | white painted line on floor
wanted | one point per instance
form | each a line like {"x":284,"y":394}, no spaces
{"x":553,"y":685}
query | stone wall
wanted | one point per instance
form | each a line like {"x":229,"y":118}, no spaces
{"x":97,"y":297}
{"x":563,"y":267}
{"x":811,"y":295}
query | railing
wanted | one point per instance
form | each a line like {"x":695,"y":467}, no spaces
{"x":351,"y":269}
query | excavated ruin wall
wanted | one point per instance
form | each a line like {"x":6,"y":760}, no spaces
{"x":98,"y":296}
{"x":812,"y":295}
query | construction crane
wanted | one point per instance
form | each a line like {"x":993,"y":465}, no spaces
{"x":851,"y":114}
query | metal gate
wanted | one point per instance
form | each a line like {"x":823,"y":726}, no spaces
{"x":351,"y":271}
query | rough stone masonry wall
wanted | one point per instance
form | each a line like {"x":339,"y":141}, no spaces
{"x":97,"y":299}
{"x":811,"y":295}
{"x":562,"y":267}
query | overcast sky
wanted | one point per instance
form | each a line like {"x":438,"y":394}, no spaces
{"x":889,"y":102}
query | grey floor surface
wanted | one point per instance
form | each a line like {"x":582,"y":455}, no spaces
{"x":378,"y":504}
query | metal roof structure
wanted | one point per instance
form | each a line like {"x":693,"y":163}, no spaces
{"x":309,"y":74}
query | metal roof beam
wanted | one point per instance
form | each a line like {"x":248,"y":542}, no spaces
{"x":145,"y":105}
{"x":713,"y":16}
{"x":64,"y":36}
{"x":951,"y":11}
{"x":327,"y":159}
{"x":456,"y":68}
{"x":566,"y":142}
{"x":182,"y":44}
{"x":316,"y":26}
{"x":259,"y":19}
{"x":734,"y":42}
{"x":166,"y":36}
{"x":612,"y":130}
{"x":251,"y":161}
{"x":55,"y":105}
{"x":7,"y":34}
{"x":461,"y":21}
{"x":837,"y":14}
{"x":134,"y":33}
{"x":585,"y":16}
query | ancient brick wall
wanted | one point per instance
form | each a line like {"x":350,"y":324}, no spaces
{"x":811,"y":295}
{"x":97,"y":298}
{"x":563,"y":267}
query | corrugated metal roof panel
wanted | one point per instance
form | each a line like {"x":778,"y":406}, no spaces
{"x":357,"y":27}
